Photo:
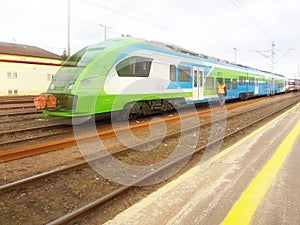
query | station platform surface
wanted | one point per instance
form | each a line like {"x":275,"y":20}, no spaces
{"x":255,"y":181}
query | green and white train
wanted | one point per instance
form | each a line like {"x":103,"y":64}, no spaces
{"x":142,"y":76}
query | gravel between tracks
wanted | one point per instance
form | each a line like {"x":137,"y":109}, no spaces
{"x":21,"y":204}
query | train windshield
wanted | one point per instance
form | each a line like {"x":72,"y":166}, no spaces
{"x":66,"y":76}
{"x":291,"y":82}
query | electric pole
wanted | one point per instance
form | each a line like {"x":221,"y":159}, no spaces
{"x":105,"y":30}
{"x":273,"y":62}
{"x":235,"y":50}
{"x":272,"y":56}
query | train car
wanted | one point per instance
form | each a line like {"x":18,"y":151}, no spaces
{"x":293,"y":84}
{"x":139,"y":76}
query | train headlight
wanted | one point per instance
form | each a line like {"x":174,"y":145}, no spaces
{"x":70,"y":87}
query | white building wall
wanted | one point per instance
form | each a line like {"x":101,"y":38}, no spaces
{"x":26,"y":78}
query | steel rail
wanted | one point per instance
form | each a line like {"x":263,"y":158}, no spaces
{"x":16,"y":101}
{"x":13,"y":113}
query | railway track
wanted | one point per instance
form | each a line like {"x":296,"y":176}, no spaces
{"x":39,"y":128}
{"x":19,"y":99}
{"x":57,"y":128}
{"x":118,"y":189}
{"x":30,"y":133}
{"x":12,"y":106}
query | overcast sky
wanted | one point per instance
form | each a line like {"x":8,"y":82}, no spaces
{"x":213,"y":27}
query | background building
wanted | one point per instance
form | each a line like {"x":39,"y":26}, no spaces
{"x":26,"y":70}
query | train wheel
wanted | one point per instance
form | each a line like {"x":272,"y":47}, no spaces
{"x":243,"y":96}
{"x":130,"y":112}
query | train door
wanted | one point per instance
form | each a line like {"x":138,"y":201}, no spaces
{"x":256,"y":89}
{"x":198,"y":78}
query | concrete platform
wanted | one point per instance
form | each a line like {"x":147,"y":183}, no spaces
{"x":255,"y":181}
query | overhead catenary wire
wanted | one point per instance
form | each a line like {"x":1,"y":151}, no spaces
{"x":165,"y":28}
{"x":253,"y":18}
{"x":266,"y":30}
{"x":123,"y":14}
{"x":135,"y":10}
{"x":271,"y":35}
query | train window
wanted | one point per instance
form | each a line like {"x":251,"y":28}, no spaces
{"x":234,"y":83}
{"x":209,"y":83}
{"x":135,"y":66}
{"x":75,"y":59}
{"x":201,"y":78}
{"x":242,"y":80}
{"x":228,"y":83}
{"x":251,"y":80}
{"x":184,"y":74}
{"x":195,"y":78}
{"x":266,"y":84}
{"x":220,"y":81}
{"x":172,"y":72}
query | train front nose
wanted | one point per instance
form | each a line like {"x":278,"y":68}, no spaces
{"x":45,"y":101}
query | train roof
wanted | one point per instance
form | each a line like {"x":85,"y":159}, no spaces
{"x":188,"y":52}
{"x":180,"y":50}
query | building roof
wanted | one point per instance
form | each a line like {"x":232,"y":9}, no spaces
{"x":26,"y":50}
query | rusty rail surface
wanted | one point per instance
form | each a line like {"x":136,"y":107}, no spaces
{"x":23,"y":152}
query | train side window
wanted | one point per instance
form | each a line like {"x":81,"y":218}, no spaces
{"x":228,"y":83}
{"x":242,"y":81}
{"x":135,"y":66}
{"x":172,"y":72}
{"x":184,"y":74}
{"x":209,"y":83}
{"x":220,"y":81}
{"x":234,"y":83}
{"x":251,"y":80}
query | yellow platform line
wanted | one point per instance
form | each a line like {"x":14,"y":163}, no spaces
{"x":244,"y":209}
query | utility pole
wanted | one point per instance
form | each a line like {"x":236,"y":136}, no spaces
{"x":272,"y":67}
{"x":273,"y":62}
{"x":105,"y":30}
{"x":69,"y":29}
{"x":235,"y":50}
{"x":272,"y":56}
